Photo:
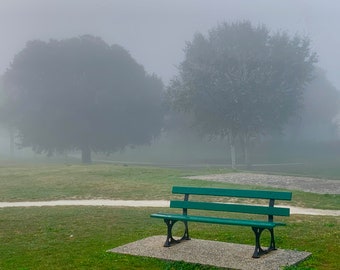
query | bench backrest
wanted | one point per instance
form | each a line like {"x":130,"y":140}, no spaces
{"x":269,"y":210}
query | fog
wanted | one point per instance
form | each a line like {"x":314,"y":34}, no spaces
{"x":155,"y":33}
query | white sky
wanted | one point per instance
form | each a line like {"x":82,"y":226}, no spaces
{"x":155,"y":31}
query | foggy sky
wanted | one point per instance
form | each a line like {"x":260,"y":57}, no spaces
{"x":155,"y":31}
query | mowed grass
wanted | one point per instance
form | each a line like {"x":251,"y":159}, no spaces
{"x":107,"y":181}
{"x":79,"y":237}
{"x":101,"y":181}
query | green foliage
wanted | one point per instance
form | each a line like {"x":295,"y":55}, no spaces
{"x":81,"y":94}
{"x":320,"y":109}
{"x":240,"y":80}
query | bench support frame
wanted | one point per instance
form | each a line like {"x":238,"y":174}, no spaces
{"x":170,"y":239}
{"x":258,"y":249}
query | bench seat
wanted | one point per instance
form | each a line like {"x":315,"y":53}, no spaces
{"x":218,"y":220}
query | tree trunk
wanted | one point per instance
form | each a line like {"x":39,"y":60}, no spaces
{"x":232,"y":151}
{"x":233,"y":156}
{"x":11,"y":141}
{"x":246,"y":156}
{"x":86,"y":155}
{"x":245,"y":144}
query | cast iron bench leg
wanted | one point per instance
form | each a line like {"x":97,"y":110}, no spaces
{"x":186,"y":232}
{"x":258,"y":249}
{"x":169,"y":239}
{"x":272,"y":240}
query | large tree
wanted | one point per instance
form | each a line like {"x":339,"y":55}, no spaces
{"x":81,"y":94}
{"x":317,"y":119}
{"x":241,"y":80}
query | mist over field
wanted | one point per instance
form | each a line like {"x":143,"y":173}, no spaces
{"x":153,"y":37}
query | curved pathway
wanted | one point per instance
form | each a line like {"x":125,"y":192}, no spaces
{"x":144,"y":203}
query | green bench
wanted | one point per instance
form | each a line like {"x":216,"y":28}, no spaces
{"x":257,"y":225}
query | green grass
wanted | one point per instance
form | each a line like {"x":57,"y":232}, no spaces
{"x":106,"y":181}
{"x":75,"y":238}
{"x":78,"y":237}
{"x":47,"y":182}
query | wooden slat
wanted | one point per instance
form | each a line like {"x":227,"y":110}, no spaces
{"x":237,"y":208}
{"x":217,"y":220}
{"x":240,"y":193}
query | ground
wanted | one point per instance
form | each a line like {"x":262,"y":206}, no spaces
{"x":307,"y":184}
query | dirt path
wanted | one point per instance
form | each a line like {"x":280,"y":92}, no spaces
{"x":144,"y":203}
{"x":116,"y":203}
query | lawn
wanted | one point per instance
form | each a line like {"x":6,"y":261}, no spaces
{"x":78,"y":237}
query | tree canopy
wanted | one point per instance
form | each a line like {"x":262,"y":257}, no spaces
{"x":241,"y":80}
{"x":317,"y":119}
{"x":81,"y":94}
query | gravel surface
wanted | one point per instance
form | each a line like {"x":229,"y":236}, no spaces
{"x":220,"y":254}
{"x":307,"y":184}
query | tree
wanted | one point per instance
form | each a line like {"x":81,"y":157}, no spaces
{"x":240,"y":80}
{"x":317,"y":117}
{"x":81,"y":94}
{"x":4,"y":119}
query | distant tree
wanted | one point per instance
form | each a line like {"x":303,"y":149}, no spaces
{"x":81,"y":94}
{"x":317,"y":117}
{"x":240,"y":80}
{"x":5,"y":119}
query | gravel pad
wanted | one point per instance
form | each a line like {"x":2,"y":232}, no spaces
{"x":220,"y":254}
